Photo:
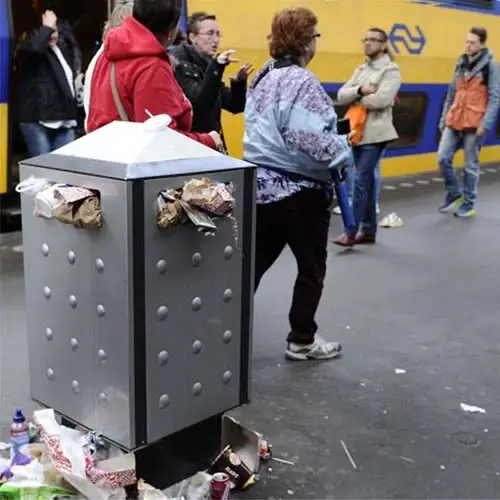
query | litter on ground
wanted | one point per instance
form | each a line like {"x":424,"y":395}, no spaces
{"x":472,"y":409}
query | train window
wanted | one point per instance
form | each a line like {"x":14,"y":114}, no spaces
{"x":409,"y":118}
{"x":478,"y":4}
{"x":498,"y":126}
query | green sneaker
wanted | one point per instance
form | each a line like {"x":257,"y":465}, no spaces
{"x":451,"y":203}
{"x":465,"y":211}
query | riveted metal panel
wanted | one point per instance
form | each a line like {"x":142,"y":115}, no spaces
{"x":193,"y":314}
{"x":79,"y":316}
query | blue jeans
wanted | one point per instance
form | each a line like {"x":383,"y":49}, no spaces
{"x":351,"y":174}
{"x":364,"y":205}
{"x":42,"y":140}
{"x":451,"y":142}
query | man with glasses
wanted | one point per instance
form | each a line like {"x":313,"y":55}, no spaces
{"x":374,"y":85}
{"x":200,"y":71}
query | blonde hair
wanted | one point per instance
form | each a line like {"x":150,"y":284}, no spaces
{"x":121,"y":10}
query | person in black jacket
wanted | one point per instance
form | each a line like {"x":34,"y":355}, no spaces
{"x":199,"y":72}
{"x":46,"y":95}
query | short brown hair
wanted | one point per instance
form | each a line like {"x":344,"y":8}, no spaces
{"x":193,"y":24}
{"x":481,"y":33}
{"x":291,"y":31}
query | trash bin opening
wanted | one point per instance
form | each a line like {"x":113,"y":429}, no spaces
{"x":74,"y":205}
{"x":199,"y":201}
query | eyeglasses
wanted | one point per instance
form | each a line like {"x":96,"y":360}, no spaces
{"x":211,"y":34}
{"x":316,"y":35}
{"x":366,"y":40}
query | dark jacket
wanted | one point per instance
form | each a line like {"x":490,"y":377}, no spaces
{"x":43,"y":90}
{"x":201,"y":81}
{"x":68,"y":38}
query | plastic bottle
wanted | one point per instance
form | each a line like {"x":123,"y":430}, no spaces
{"x":19,"y":432}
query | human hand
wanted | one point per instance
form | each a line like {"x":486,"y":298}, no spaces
{"x":368,"y":89}
{"x":244,"y":72}
{"x":217,"y":139}
{"x":227,"y":57}
{"x":49,"y":19}
{"x":480,"y":131}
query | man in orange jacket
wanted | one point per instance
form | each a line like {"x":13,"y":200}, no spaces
{"x":469,"y":112}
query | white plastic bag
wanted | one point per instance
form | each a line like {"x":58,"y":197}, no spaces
{"x":46,"y":202}
{"x":32,"y":185}
{"x":66,"y":450}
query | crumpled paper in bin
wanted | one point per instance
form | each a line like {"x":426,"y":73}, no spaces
{"x":84,"y":213}
{"x":213,"y":197}
{"x":170,"y":212}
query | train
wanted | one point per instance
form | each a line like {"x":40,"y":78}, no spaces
{"x":425,"y":37}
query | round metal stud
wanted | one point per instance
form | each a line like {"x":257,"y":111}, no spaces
{"x":197,"y":259}
{"x":45,"y":250}
{"x":161,"y":266}
{"x":72,"y":301}
{"x":228,"y":252}
{"x":227,"y":337}
{"x":162,"y":313}
{"x":163,"y":358}
{"x":99,"y":265}
{"x":75,"y":345}
{"x":71,"y":257}
{"x":197,"y":347}
{"x":197,"y":304}
{"x":227,"y":377}
{"x":164,"y":401}
{"x":49,"y":334}
{"x":228,"y":295}
{"x":101,"y":312}
{"x":103,"y":357}
{"x":50,"y":374}
{"x":47,"y":292}
{"x":197,"y":388}
{"x":103,"y":399}
{"x":75,"y":386}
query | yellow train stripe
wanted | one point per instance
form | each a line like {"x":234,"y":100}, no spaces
{"x":4,"y":146}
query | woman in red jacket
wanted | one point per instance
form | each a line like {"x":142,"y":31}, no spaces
{"x":143,"y":73}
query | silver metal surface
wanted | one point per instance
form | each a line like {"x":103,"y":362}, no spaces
{"x":193,"y":289}
{"x":64,"y":331}
{"x":86,"y":294}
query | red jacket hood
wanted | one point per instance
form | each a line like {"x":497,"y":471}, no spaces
{"x":132,"y":40}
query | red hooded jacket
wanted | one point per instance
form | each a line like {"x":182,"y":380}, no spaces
{"x":145,"y":81}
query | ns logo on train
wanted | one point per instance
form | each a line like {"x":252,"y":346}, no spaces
{"x":404,"y":39}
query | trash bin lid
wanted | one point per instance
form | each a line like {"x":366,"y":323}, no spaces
{"x":128,"y":151}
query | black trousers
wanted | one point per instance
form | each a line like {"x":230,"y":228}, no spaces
{"x":300,"y":221}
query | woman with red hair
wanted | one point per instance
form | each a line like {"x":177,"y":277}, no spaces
{"x":291,"y":135}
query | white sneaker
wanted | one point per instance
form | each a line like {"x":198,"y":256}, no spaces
{"x":320,"y":350}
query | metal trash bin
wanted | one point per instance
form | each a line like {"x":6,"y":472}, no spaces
{"x":136,"y":332}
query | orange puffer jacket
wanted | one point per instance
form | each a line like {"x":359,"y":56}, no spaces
{"x":474,"y":94}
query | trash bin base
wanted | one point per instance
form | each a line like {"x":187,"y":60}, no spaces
{"x":180,"y":455}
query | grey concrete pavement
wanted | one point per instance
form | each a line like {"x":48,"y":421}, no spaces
{"x":425,"y":300}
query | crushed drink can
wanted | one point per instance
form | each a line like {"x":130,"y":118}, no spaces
{"x":265,"y":449}
{"x":220,"y":486}
{"x":230,"y":463}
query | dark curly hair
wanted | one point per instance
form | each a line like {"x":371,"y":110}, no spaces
{"x":291,"y":31}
